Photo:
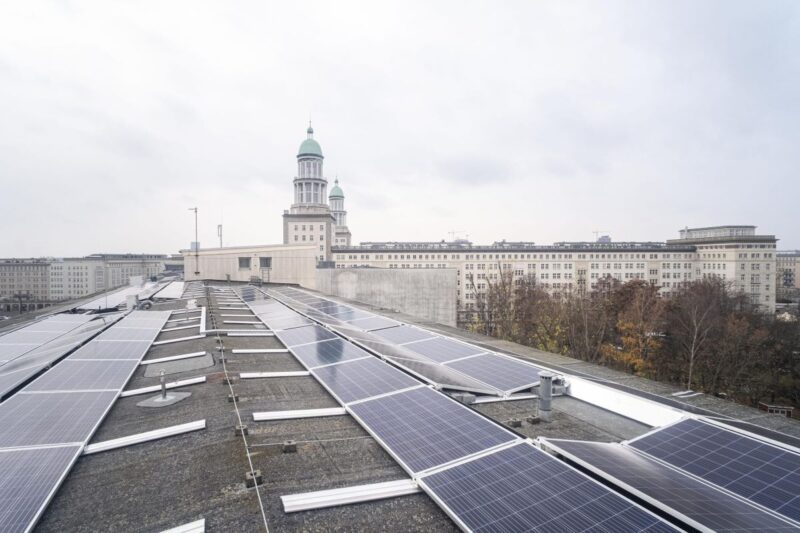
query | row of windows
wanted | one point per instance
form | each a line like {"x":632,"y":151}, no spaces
{"x":263,"y":262}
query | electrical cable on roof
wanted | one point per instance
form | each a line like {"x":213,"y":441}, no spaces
{"x":239,"y":418}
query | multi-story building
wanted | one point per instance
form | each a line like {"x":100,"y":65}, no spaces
{"x":788,"y":274}
{"x":27,"y":284}
{"x":310,"y":219}
{"x":736,"y":254}
{"x":581,"y":266}
{"x":24,"y":280}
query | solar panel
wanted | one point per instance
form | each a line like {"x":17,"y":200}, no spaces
{"x":29,"y":479}
{"x":403,"y":334}
{"x":441,"y":349}
{"x":521,"y":488}
{"x":328,"y":352}
{"x":51,"y":418}
{"x":101,"y":349}
{"x":120,"y":333}
{"x":662,"y":486}
{"x":374,"y":322}
{"x":287,"y":322}
{"x":424,"y":428}
{"x":304,"y":335}
{"x":16,"y":372}
{"x":364,"y":378}
{"x":350,"y":314}
{"x":501,"y":372}
{"x":756,"y":470}
{"x":85,"y":375}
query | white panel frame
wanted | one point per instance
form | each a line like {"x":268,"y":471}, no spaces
{"x":144,"y":437}
{"x":293,"y":503}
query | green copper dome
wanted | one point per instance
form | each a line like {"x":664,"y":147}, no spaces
{"x":336,"y":192}
{"x":310,"y":146}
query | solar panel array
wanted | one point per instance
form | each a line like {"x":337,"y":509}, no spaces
{"x":483,"y":475}
{"x":759,"y":471}
{"x":116,"y":298}
{"x":46,"y":424}
{"x":521,"y":488}
{"x":449,"y":362}
{"x":21,"y":341}
{"x":669,"y":489}
{"x":62,"y":333}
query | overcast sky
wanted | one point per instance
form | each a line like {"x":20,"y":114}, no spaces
{"x":538,"y":121}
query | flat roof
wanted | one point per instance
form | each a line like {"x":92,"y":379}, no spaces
{"x":176,"y":480}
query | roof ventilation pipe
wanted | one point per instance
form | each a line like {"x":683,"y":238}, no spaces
{"x":545,"y":394}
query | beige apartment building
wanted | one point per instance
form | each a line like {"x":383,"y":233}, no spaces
{"x":732,"y":253}
{"x":24,"y":279}
{"x":788,"y":273}
{"x":36,"y":283}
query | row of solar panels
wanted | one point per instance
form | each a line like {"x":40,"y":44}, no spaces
{"x":173,"y":291}
{"x":44,"y":427}
{"x":442,"y":360}
{"x":715,"y":478}
{"x":483,"y":475}
{"x":114,"y":299}
{"x":33,"y":348}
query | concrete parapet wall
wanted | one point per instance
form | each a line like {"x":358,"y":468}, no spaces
{"x":429,"y":294}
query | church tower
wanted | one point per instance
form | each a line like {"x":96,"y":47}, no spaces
{"x":341,"y":232}
{"x":309,"y":220}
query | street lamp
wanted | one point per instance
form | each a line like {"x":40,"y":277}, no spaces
{"x":196,"y":244}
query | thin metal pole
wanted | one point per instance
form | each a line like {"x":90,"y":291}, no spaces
{"x":196,"y":244}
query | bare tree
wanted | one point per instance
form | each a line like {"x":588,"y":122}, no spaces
{"x":694,"y":313}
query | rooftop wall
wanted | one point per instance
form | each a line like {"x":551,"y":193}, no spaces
{"x":429,"y":294}
{"x":288,"y":264}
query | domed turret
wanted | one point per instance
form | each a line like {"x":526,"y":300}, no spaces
{"x":336,"y":192}
{"x":309,"y":147}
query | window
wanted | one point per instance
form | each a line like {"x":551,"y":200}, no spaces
{"x":265,"y":262}
{"x":244,"y":263}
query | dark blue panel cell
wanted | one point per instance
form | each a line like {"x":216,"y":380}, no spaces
{"x":100,"y":349}
{"x":522,"y":488}
{"x":357,"y":380}
{"x":754,"y":469}
{"x":31,"y":419}
{"x":85,"y":375}
{"x":286,"y":322}
{"x":500,"y":372}
{"x":683,"y":494}
{"x":119,"y":333}
{"x":424,"y":428}
{"x":373,"y":322}
{"x":403,"y":334}
{"x":304,"y":335}
{"x":328,"y":352}
{"x":29,"y":476}
{"x":351,"y":314}
{"x":441,"y":349}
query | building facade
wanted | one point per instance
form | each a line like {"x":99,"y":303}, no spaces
{"x":311,"y":220}
{"x":745,"y":261}
{"x":27,"y":284}
{"x":277,"y":263}
{"x":738,"y":255}
{"x":788,"y":274}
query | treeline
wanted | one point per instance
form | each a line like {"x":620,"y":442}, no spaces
{"x":704,"y":337}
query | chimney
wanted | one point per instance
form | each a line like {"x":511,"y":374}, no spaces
{"x":545,"y":394}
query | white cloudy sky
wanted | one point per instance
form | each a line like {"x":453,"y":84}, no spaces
{"x":540,"y":121}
